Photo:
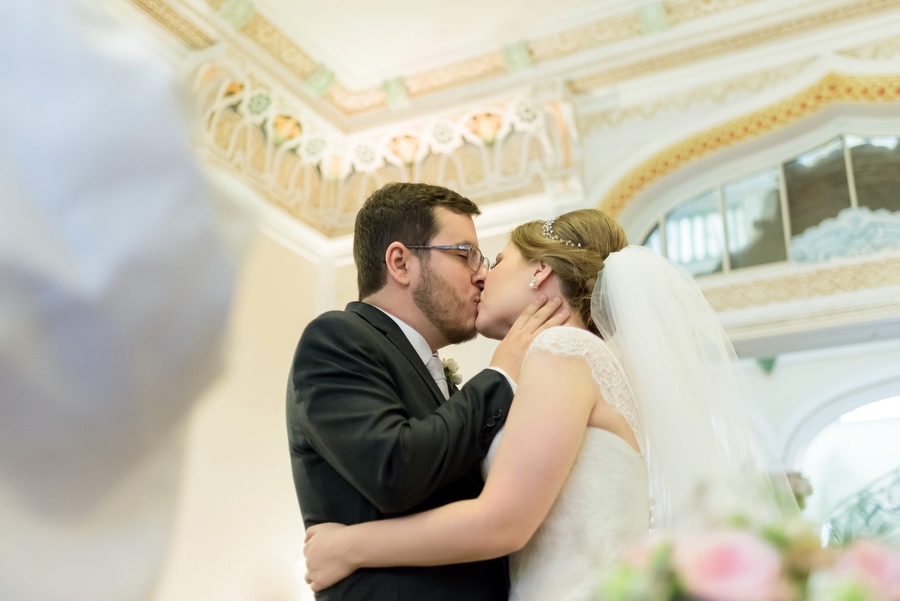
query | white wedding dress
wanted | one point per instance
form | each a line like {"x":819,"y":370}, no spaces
{"x":604,"y":506}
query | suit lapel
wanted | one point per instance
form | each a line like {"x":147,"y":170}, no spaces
{"x":387,"y":326}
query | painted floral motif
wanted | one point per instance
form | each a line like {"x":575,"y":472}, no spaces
{"x":405,"y":148}
{"x":258,"y":103}
{"x":286,"y":128}
{"x":485,"y":126}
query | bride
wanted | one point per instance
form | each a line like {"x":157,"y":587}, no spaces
{"x":627,"y":419}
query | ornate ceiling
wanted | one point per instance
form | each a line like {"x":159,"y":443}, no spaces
{"x":532,"y":108}
{"x":359,"y":63}
{"x":496,"y":101}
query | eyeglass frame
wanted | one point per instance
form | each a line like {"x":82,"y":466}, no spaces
{"x":470,"y":249}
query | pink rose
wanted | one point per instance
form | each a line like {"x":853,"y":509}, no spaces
{"x":730,"y":565}
{"x":873,"y":564}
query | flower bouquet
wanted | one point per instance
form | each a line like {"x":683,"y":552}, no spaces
{"x":740,"y":563}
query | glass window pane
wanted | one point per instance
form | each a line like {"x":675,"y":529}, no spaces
{"x":753,"y":221}
{"x":876,"y":169}
{"x":816,"y":186}
{"x":654,"y":241}
{"x":694,"y":235}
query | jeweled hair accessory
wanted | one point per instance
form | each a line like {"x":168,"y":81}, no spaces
{"x":548,"y":232}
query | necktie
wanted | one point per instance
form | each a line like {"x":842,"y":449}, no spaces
{"x":436,"y":369}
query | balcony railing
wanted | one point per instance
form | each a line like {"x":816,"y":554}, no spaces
{"x":873,"y":512}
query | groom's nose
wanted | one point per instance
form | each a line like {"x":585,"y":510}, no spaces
{"x":478,"y":277}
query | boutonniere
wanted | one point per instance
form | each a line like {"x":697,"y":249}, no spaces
{"x":451,"y":371}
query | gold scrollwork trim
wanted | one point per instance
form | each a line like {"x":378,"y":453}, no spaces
{"x":821,"y":282}
{"x":716,"y":94}
{"x":832,"y":88}
{"x":175,"y":24}
{"x":279,"y":46}
{"x":612,"y":29}
{"x":731,"y":44}
{"x":555,"y":46}
{"x":881,"y":50}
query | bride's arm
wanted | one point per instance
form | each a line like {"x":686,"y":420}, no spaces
{"x":541,"y":440}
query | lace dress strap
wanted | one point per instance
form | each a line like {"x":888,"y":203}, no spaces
{"x":607,"y":371}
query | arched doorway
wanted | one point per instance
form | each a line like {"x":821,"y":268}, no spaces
{"x":848,"y":447}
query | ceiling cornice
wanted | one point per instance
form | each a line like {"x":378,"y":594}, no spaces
{"x":759,"y":34}
{"x":699,"y":30}
{"x":178,"y":24}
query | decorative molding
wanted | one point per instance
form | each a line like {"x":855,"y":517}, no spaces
{"x":832,"y":88}
{"x":854,"y":232}
{"x":826,"y":280}
{"x":552,"y":47}
{"x":751,"y":39}
{"x":604,"y":32}
{"x":483,"y":67}
{"x":279,"y":46}
{"x":587,"y":37}
{"x":682,"y":11}
{"x":491,"y":152}
{"x":715,"y":94}
{"x":615,"y":28}
{"x":881,"y":50}
{"x":175,"y":23}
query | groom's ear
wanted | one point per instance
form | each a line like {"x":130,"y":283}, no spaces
{"x":399,"y":263}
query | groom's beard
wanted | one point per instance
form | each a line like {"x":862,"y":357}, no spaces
{"x":443,"y":307}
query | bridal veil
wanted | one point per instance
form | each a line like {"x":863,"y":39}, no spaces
{"x":707,"y":459}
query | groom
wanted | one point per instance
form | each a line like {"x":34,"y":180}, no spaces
{"x":375,"y":429}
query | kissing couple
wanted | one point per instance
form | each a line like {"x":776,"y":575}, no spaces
{"x":628,"y":412}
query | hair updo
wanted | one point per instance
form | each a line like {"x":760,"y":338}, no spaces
{"x":576,"y":267}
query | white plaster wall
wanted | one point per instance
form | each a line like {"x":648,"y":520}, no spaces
{"x":821,"y":385}
{"x":238,"y":531}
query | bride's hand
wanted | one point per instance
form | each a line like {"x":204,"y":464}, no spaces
{"x":327,"y":557}
{"x":537,"y":317}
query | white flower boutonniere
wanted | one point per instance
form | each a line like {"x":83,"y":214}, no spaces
{"x":451,"y":371}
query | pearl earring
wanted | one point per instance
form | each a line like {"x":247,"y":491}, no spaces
{"x":533,"y":285}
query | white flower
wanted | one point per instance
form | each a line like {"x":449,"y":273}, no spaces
{"x":451,"y":371}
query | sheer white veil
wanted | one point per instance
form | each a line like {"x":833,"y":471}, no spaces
{"x":706,"y":461}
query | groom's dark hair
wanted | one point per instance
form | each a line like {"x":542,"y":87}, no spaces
{"x":398,"y":212}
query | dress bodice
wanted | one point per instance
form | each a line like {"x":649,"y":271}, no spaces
{"x":603,"y":508}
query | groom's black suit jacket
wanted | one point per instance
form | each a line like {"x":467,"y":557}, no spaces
{"x":371,"y":437}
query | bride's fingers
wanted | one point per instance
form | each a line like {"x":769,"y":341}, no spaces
{"x":557,"y":319}
{"x":551,"y":311}
{"x":537,"y":310}
{"x":530,"y":311}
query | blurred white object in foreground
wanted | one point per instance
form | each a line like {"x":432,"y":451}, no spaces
{"x":115,"y":285}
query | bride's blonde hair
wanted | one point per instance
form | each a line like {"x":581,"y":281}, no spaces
{"x":574,"y":245}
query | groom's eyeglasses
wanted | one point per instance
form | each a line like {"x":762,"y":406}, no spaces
{"x":474,"y":258}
